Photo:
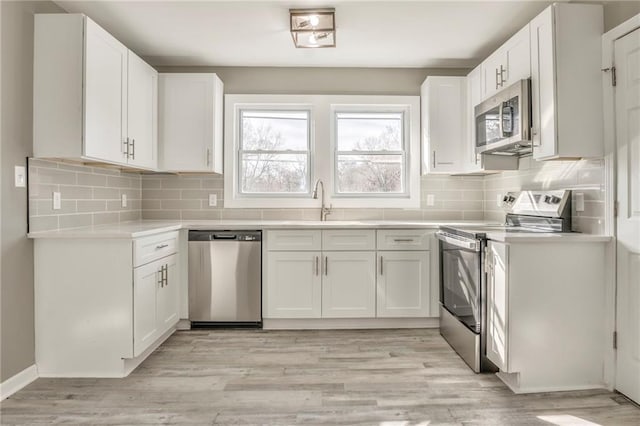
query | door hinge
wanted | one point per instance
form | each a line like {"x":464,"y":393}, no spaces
{"x":613,"y":74}
{"x":615,"y":340}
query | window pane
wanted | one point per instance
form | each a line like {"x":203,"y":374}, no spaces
{"x":370,"y":174}
{"x":274,"y":173}
{"x":275,"y":130}
{"x":369,"y":131}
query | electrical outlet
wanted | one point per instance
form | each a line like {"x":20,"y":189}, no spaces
{"x":579,"y":201}
{"x":431,"y":199}
{"x":57,"y":201}
{"x":213,"y":200}
{"x":124,"y":200}
{"x":20,"y":177}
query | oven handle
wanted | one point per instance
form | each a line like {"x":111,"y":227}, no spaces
{"x":457,"y":241}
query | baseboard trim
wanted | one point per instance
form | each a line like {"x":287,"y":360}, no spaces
{"x":17,"y":382}
{"x":348,"y":323}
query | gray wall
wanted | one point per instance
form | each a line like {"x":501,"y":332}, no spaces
{"x":616,"y":12}
{"x":16,"y":288}
{"x":347,"y":81}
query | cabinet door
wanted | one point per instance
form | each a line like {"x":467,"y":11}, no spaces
{"x":104,"y":95}
{"x":474,"y":97}
{"x":169,"y":294}
{"x":188,"y":114}
{"x":443,"y":125}
{"x":293,"y":287}
{"x":498,"y":305}
{"x":517,"y":56}
{"x":491,"y":73}
{"x":146,"y":282}
{"x":543,"y":86}
{"x":349,"y":285}
{"x":142,"y":113}
{"x":403,"y":284}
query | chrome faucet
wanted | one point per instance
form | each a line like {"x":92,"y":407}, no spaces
{"x":324,"y":211}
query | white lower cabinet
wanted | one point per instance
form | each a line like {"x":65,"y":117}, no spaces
{"x":101,"y":304}
{"x":349,"y":285}
{"x":377,"y":274}
{"x":155,"y":301}
{"x":403,"y":284}
{"x":540,"y":296}
{"x":294,"y":284}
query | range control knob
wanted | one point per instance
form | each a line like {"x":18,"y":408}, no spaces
{"x":547,"y":199}
{"x":555,"y":200}
{"x":511,"y":198}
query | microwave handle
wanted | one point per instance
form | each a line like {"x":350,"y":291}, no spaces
{"x":506,"y":110}
{"x":500,"y":119}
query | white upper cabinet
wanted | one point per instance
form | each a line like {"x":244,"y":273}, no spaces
{"x":443,"y":102}
{"x":508,"y":64}
{"x":566,"y":82}
{"x":190,"y":117}
{"x":142,"y":113}
{"x":85,"y":105}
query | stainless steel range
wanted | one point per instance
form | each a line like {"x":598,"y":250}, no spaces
{"x":462,"y":273}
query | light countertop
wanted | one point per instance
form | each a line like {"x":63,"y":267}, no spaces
{"x":136,"y":229}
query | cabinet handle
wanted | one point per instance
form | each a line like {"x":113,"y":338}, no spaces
{"x":502,"y":79}
{"x":125,"y":149}
{"x":434,"y":159}
{"x":317,"y":270}
{"x":161,"y":246}
{"x":381,"y":267}
{"x":208,"y":157}
{"x":497,"y":74}
{"x":161,"y":279}
{"x":133,"y":149}
{"x":326,"y":265}
{"x":403,"y":240}
{"x":166,"y":275}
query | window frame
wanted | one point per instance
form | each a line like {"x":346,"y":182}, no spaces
{"x":405,"y":152}
{"x":322,"y":159}
{"x":240,"y":151}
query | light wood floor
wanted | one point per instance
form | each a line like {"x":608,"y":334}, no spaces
{"x":368,"y":377}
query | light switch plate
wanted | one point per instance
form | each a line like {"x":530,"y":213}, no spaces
{"x":124,"y":200}
{"x":431,"y":199}
{"x":579,"y":201}
{"x":57,"y":201}
{"x":20,"y":176}
{"x":213,"y":200}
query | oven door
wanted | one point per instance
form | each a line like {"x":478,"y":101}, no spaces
{"x":461,"y":278}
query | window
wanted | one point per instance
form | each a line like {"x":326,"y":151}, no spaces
{"x":370,"y":154}
{"x":366,"y":150}
{"x":274,"y":152}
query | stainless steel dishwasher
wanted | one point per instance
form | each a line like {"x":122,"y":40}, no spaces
{"x":225,"y":278}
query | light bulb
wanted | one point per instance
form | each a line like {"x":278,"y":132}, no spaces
{"x":314,"y":20}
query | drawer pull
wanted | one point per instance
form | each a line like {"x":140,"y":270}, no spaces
{"x":317,"y":272}
{"x":403,"y":240}
{"x":326,"y":265}
{"x":381,"y":263}
{"x":161,"y":246}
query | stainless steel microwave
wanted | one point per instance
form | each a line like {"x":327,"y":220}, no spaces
{"x":503,"y":122}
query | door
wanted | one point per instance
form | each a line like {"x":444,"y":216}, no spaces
{"x":492,"y":73}
{"x":186,"y":121}
{"x":474,"y":97}
{"x":169,"y":295}
{"x":497,"y":304}
{"x":403,"y":284}
{"x":518,"y":57}
{"x":105,"y":93}
{"x":142,"y":117}
{"x":349,"y":285}
{"x":294,"y":285}
{"x":627,"y":94}
{"x":543,"y":85}
{"x":146,"y":283}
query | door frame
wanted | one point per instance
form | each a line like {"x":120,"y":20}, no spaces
{"x":608,"y":44}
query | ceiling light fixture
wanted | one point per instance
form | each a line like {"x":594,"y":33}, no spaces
{"x":313,"y":27}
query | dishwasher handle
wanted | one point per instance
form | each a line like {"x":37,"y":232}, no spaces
{"x":228,"y":235}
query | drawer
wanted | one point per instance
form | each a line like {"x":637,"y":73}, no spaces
{"x":294,"y":240}
{"x":343,"y":239}
{"x":404,"y":239}
{"x":148,"y":249}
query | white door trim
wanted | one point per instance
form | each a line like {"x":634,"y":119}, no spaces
{"x":608,"y":41}
{"x":15,"y":383}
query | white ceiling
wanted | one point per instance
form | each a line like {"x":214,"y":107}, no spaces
{"x":256,"y":33}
